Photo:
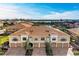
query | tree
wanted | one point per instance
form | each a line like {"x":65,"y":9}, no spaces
{"x":48,"y":47}
{"x":28,"y":48}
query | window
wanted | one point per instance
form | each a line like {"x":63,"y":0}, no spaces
{"x":15,"y":39}
{"x":53,"y":38}
{"x":36,"y":39}
{"x":63,"y":39}
{"x":42,"y":38}
{"x":24,"y":38}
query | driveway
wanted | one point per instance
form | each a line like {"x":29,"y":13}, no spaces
{"x":60,"y":51}
{"x":70,"y":53}
{"x":15,"y":52}
{"x":56,"y":51}
{"x":39,"y":52}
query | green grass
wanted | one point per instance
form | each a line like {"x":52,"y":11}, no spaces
{"x":1,"y":52}
{"x":76,"y":53}
{"x":3,"y":39}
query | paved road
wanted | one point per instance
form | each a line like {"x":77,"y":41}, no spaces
{"x":15,"y":52}
{"x":39,"y":52}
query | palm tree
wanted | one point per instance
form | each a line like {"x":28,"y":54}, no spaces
{"x":28,"y":48}
{"x":48,"y":46}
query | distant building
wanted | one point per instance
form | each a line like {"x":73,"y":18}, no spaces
{"x":74,"y":31}
{"x":1,"y":23}
{"x":2,"y":31}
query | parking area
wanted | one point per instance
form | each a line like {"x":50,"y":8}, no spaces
{"x":15,"y":52}
{"x":39,"y":52}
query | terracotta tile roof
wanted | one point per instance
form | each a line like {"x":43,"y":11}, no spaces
{"x":20,"y":32}
{"x":19,"y":26}
{"x":39,"y":31}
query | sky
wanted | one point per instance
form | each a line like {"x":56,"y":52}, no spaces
{"x":39,"y":10}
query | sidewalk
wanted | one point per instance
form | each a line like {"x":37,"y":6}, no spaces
{"x":70,"y":53}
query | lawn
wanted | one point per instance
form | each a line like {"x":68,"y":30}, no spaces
{"x":3,"y":39}
{"x":1,"y":52}
{"x":76,"y":53}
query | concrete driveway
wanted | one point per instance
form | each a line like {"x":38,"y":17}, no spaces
{"x":70,"y":53}
{"x":60,"y":51}
{"x":56,"y":51}
{"x":39,"y":52}
{"x":15,"y":52}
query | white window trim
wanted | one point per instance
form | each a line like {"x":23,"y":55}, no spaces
{"x":53,"y":36}
{"x":11,"y":39}
{"x":22,"y":38}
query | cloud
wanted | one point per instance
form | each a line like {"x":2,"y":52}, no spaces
{"x":63,"y":15}
{"x":11,"y":11}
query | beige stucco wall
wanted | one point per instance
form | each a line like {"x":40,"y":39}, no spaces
{"x":39,"y":42}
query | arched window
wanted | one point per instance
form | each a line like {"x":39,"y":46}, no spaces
{"x":14,"y":39}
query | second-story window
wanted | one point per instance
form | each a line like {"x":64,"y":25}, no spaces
{"x":42,"y":38}
{"x":36,"y":39}
{"x":24,"y":38}
{"x":14,"y":39}
{"x":53,"y":39}
{"x":63,"y":39}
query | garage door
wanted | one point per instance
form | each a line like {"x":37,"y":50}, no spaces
{"x":53,"y":44}
{"x":59,"y":45}
{"x":42,"y":44}
{"x":18,"y":45}
{"x":15,"y":44}
{"x":35,"y":44}
{"x":65,"y":45}
{"x":12,"y":45}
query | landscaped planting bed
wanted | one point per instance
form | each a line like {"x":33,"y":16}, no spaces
{"x":1,"y":52}
{"x":76,"y":53}
{"x":3,"y":39}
